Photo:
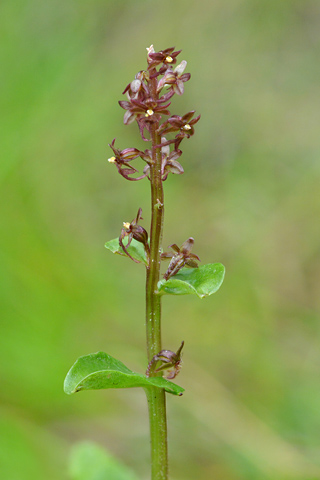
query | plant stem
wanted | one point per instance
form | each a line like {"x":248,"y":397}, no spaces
{"x":153,"y":299}
{"x":158,"y":433}
{"x":156,"y":396}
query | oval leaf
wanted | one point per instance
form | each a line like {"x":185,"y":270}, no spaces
{"x":100,"y":370}
{"x":136,"y":249}
{"x":202,"y":281}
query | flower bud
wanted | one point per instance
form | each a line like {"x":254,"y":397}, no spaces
{"x":140,"y":234}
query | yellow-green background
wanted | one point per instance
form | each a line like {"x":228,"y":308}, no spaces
{"x":249,"y":196}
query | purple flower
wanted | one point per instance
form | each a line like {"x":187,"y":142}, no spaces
{"x":121,"y":159}
{"x":183,"y":125}
{"x":169,"y":162}
{"x":133,"y":230}
{"x":180,"y":257}
{"x":147,"y":108}
{"x":167,"y":57}
{"x":175,"y":78}
{"x":169,"y":360}
{"x":137,"y":89}
{"x":145,"y":111}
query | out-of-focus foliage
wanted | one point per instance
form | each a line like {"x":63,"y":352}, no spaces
{"x":91,"y":462}
{"x":249,"y":197}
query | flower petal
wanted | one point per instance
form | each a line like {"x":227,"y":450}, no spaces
{"x":192,"y":263}
{"x":187,"y":116}
{"x":174,"y":167}
{"x":128,"y":117}
{"x":135,"y":85}
{"x":165,"y":255}
{"x":181,"y":67}
{"x":125,"y":105}
{"x":179,"y":87}
{"x":175,"y":247}
{"x":185,"y":77}
{"x":166,"y":149}
{"x":187,"y":246}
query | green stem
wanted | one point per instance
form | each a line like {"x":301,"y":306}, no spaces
{"x":158,"y":433}
{"x":156,"y":396}
{"x":153,"y":299}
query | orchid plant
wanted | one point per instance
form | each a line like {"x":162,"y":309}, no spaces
{"x":148,"y":101}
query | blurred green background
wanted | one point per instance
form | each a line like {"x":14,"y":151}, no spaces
{"x":249,"y":196}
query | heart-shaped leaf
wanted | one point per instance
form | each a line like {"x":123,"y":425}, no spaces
{"x":136,"y":249}
{"x":100,"y":370}
{"x":202,"y":281}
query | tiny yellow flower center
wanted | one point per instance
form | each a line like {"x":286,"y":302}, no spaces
{"x":149,"y":113}
{"x":112,"y":159}
{"x":126,"y":225}
{"x":186,"y":127}
{"x":169,"y":59}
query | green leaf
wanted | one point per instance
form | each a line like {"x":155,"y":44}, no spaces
{"x":136,"y":249}
{"x":202,"y":281}
{"x":91,"y":462}
{"x":100,"y":370}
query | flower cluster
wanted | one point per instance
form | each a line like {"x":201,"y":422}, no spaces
{"x":148,"y":99}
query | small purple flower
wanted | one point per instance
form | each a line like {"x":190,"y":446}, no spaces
{"x":169,"y":162}
{"x":133,"y":230}
{"x":170,"y":361}
{"x":147,"y":108}
{"x":145,"y":111}
{"x":175,"y":78}
{"x":166,"y":57}
{"x":180,"y":257}
{"x":183,"y":125}
{"x":121,"y":159}
{"x":137,"y":89}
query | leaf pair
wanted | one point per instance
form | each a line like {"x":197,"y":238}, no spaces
{"x":202,"y":281}
{"x":100,"y":370}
